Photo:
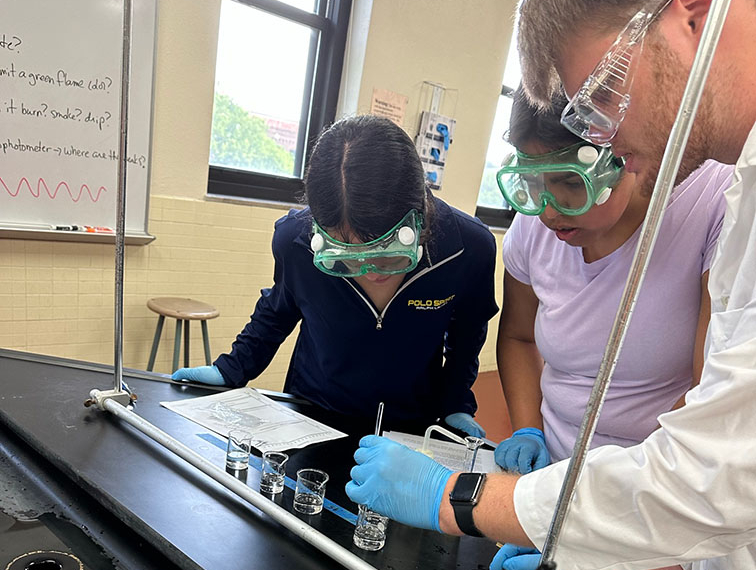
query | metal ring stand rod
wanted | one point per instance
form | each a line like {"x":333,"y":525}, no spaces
{"x":673,"y":153}
{"x":279,"y":514}
{"x":121,"y":205}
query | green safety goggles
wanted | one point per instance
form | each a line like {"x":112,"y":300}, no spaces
{"x":397,"y":251}
{"x":571,"y":180}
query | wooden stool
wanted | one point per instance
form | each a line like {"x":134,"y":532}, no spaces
{"x":183,"y":310}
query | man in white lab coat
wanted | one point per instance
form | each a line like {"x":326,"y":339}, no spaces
{"x":687,"y":493}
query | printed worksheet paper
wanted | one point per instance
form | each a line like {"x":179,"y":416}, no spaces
{"x":273,"y":426}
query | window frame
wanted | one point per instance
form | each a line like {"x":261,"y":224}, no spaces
{"x":321,"y":95}
{"x":497,"y":217}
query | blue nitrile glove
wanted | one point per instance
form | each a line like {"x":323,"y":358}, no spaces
{"x":202,"y":374}
{"x":466,"y":423}
{"x":524,"y":452}
{"x":402,"y":484}
{"x":513,"y":557}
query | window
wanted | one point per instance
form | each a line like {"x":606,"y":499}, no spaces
{"x":492,"y":209}
{"x":277,"y":77}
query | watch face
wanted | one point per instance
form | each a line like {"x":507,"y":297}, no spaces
{"x":467,"y":487}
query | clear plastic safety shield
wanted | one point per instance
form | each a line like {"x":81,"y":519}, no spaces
{"x":596,"y":111}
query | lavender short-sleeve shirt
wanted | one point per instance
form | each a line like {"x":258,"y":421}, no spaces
{"x":578,"y":302}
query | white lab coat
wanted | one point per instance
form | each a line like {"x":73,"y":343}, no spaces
{"x":688,"y":492}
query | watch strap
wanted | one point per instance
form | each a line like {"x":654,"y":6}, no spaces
{"x":463,"y":511}
{"x":463,"y":514}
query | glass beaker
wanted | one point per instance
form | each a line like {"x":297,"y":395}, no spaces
{"x":237,"y":450}
{"x":310,"y":491}
{"x":273,"y":472}
{"x":370,"y":530}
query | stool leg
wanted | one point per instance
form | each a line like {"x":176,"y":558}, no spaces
{"x":206,"y":342}
{"x":156,"y":342}
{"x":186,"y":343}
{"x":177,"y":345}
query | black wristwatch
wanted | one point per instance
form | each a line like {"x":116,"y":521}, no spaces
{"x":463,"y":498}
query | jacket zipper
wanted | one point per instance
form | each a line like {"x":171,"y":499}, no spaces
{"x":379,"y":317}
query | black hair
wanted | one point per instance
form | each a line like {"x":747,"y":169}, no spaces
{"x":529,"y":124}
{"x":363,"y":176}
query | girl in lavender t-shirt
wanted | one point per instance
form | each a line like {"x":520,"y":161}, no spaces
{"x":564,"y":276}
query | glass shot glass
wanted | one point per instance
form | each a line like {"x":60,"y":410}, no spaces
{"x":310,"y":491}
{"x":237,"y":450}
{"x":273,"y":472}
{"x":370,"y":530}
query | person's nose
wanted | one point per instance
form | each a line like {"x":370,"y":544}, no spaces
{"x":549,"y":212}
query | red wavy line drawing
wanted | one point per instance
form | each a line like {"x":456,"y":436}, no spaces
{"x":42,"y":183}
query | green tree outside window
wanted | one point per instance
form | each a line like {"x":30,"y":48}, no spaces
{"x":241,"y":140}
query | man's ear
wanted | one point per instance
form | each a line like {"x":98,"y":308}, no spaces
{"x":695,"y":13}
{"x":683,"y":22}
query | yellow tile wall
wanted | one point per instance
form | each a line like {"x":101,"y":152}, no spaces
{"x":57,"y":298}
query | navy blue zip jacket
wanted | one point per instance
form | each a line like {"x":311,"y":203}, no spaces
{"x":419,"y":355}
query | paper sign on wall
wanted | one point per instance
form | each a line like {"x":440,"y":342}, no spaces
{"x":388,"y":104}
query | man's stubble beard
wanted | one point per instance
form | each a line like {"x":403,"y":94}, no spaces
{"x":669,"y":84}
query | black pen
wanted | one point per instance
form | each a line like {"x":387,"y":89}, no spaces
{"x":67,"y":228}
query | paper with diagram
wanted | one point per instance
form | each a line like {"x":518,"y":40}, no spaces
{"x":273,"y":426}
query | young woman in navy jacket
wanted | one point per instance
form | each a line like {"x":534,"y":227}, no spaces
{"x":393,"y":288}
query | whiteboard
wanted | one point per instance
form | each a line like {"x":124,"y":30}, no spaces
{"x":60,"y":78}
